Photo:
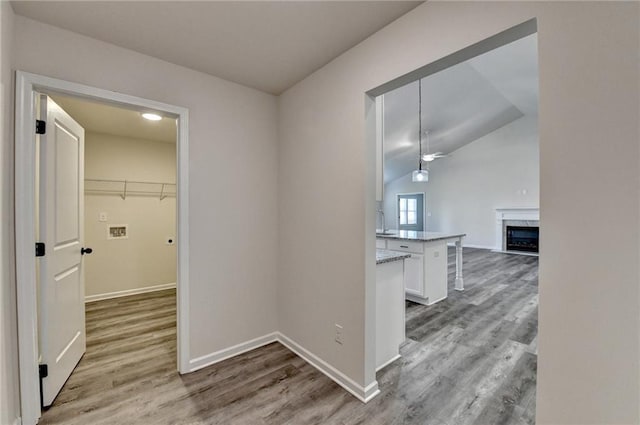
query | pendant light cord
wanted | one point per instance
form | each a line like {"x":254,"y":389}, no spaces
{"x":420,"y":123}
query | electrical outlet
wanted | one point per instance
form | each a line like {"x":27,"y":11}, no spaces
{"x":436,"y":254}
{"x":102,"y":217}
{"x":339,"y":334}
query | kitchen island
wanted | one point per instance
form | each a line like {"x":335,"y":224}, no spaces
{"x":425,"y":272}
{"x":390,"y":315}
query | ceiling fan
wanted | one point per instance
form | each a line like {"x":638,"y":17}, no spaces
{"x":422,"y":175}
{"x":428,"y":157}
{"x":433,"y":156}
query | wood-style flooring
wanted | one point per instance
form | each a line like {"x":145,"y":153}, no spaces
{"x":470,"y":359}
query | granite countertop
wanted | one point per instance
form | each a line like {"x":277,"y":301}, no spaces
{"x":412,"y":235}
{"x":386,"y":256}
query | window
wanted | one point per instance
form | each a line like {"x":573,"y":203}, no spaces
{"x":408,"y":211}
{"x":411,"y":211}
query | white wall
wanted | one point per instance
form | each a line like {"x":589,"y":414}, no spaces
{"x":588,"y":341}
{"x":143,"y":259}
{"x":465,"y":188}
{"x":589,"y":351}
{"x":9,"y":398}
{"x":233,"y":168}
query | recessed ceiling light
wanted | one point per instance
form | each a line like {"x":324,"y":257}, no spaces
{"x":151,"y":117}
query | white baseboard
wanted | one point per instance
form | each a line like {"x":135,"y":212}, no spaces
{"x":423,"y":301}
{"x":530,"y":254}
{"x":467,"y":245}
{"x":437,"y":301}
{"x":125,"y":293}
{"x":227,"y":353}
{"x":388,"y":362}
{"x":363,"y":394}
{"x":415,"y":299}
{"x":17,"y":421}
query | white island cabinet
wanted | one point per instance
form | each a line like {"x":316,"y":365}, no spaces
{"x":425,"y":272}
{"x":390,"y":318}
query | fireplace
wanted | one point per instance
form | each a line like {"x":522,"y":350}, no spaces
{"x":522,"y":238}
{"x":515,"y":217}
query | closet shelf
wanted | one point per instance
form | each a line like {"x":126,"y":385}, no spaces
{"x":124,"y":188}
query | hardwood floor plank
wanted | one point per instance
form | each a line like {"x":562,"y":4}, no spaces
{"x":470,"y":359}
{"x":517,"y":390}
{"x":527,"y":331}
{"x":478,"y":387}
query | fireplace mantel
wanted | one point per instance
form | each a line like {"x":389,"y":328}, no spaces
{"x":524,"y":213}
{"x":516,"y":214}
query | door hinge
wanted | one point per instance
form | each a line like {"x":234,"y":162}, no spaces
{"x":43,"y":372}
{"x":41,"y":127}
{"x":40,"y":249}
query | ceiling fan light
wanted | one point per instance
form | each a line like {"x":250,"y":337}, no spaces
{"x":420,"y":176}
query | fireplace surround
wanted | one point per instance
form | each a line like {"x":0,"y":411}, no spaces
{"x":518,"y":217}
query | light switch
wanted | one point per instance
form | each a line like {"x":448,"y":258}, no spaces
{"x":102,"y":217}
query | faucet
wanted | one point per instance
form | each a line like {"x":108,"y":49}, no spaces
{"x":381,"y":212}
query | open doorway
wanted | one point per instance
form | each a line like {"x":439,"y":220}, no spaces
{"x":128,"y":263}
{"x":466,"y":135}
{"x":159,"y":280}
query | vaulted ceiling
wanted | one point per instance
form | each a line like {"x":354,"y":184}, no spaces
{"x":271,"y":45}
{"x":460,"y":104}
{"x":268,"y":45}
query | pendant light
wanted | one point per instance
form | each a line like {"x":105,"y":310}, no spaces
{"x":420,"y":175}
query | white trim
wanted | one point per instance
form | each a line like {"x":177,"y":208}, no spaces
{"x":370,"y":392}
{"x":388,"y":362}
{"x":363,"y":394}
{"x":25,"y":115}
{"x":17,"y":421}
{"x":226,"y":353}
{"x":25,"y":260}
{"x":424,"y":301}
{"x":466,"y":245}
{"x":416,"y":299}
{"x":516,"y":213}
{"x":127,"y":292}
{"x":182,"y":236}
{"x":436,"y":301}
{"x":530,"y":254}
{"x":519,"y":212}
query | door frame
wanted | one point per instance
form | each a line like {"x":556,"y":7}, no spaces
{"x":424,"y":208}
{"x":25,"y":237}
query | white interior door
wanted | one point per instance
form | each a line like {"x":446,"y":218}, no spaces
{"x":61,"y":227}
